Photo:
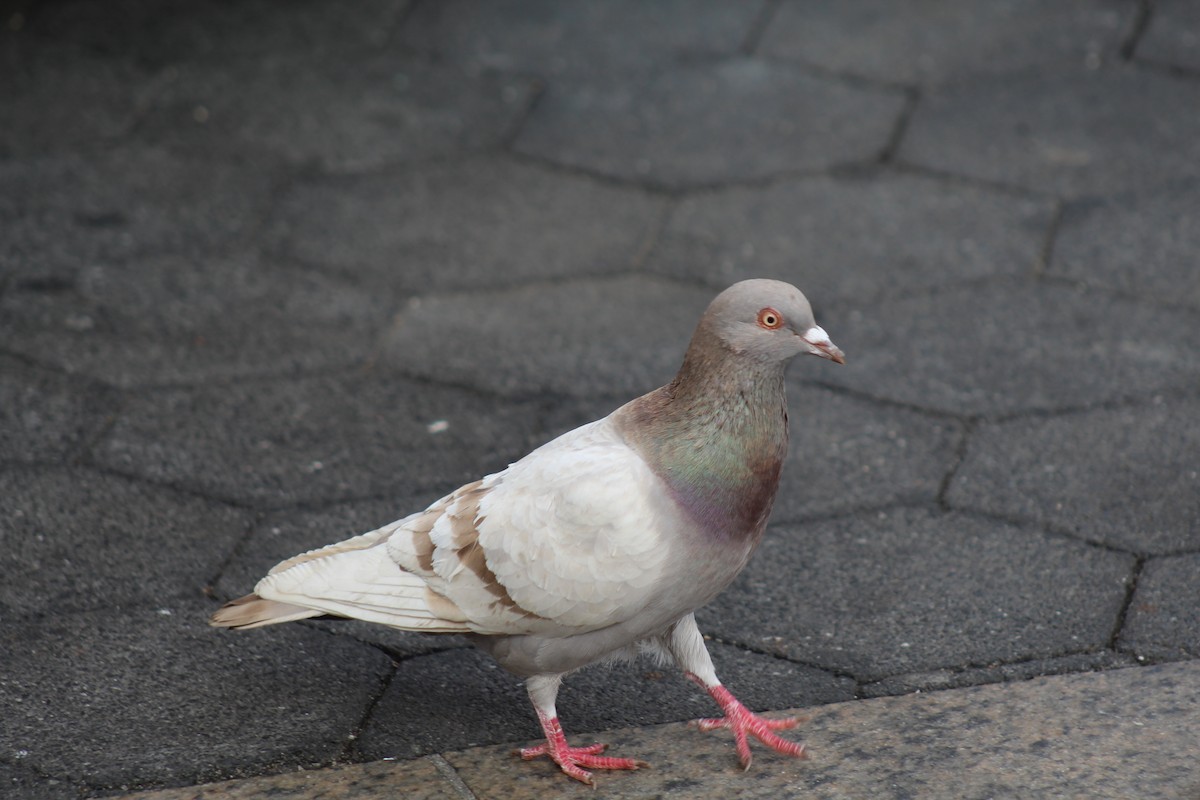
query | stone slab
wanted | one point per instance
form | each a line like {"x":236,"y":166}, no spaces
{"x":919,"y":42}
{"x":616,"y":337}
{"x":552,"y":39}
{"x":448,"y":700}
{"x":95,"y":99}
{"x":709,"y":123}
{"x":1125,"y":477}
{"x":1072,"y":133}
{"x":1141,"y":245}
{"x":78,"y":540}
{"x":1173,"y":35}
{"x":175,"y":31}
{"x":1162,"y":621}
{"x":162,"y":320}
{"x":66,"y":213}
{"x":875,"y":235}
{"x":137,"y":695}
{"x":315,"y":441}
{"x":907,"y":590}
{"x":471,"y":224}
{"x":44,"y":416}
{"x":419,"y":779}
{"x":336,"y":113}
{"x":1004,"y":347}
{"x":1110,"y":736}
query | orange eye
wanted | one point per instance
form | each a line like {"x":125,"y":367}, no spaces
{"x":770,"y":319}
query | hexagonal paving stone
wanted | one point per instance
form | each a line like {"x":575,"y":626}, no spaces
{"x":880,"y":235}
{"x":701,"y":124}
{"x":1173,"y":35}
{"x":618,"y":337}
{"x":154,"y":694}
{"x":1126,"y":477}
{"x":94,"y":98}
{"x":1001,"y":348}
{"x":170,"y":319}
{"x":43,"y":415}
{"x":187,"y":30}
{"x":470,"y":224}
{"x":76,"y":539}
{"x":914,"y":41}
{"x":341,"y":114}
{"x":904,"y":591}
{"x":1069,"y":132}
{"x":423,"y":711}
{"x":63,"y":213}
{"x":550,"y":38}
{"x":1143,"y":245}
{"x":1162,"y":621}
{"x":317,"y":440}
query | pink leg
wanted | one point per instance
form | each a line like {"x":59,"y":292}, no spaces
{"x":572,"y":760}
{"x":742,"y":721}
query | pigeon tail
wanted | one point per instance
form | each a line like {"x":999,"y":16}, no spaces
{"x":252,"y":611}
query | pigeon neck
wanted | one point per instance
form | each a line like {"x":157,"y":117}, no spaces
{"x":717,"y":436}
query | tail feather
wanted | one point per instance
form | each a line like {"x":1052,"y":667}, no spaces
{"x":253,"y":611}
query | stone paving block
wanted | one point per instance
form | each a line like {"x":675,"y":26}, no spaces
{"x":614,"y":337}
{"x":419,"y":779}
{"x":1071,"y":132}
{"x":920,"y":42}
{"x":550,"y":39}
{"x":284,"y":534}
{"x":45,"y":416}
{"x":1125,"y":477}
{"x":1109,"y":736}
{"x":468,"y":224}
{"x":337,"y":113}
{"x":94,"y":99}
{"x":1007,"y":347}
{"x":169,"y":319}
{"x":63,"y":213}
{"x":449,"y":699}
{"x":1173,"y":35}
{"x":846,"y":453}
{"x":158,"y":33}
{"x":315,"y":441}
{"x":76,"y":539}
{"x":879,"y":235}
{"x":942,"y":679}
{"x":141,"y":695}
{"x":1143,"y":245}
{"x":907,"y":590}
{"x":709,"y":123}
{"x":1162,"y":621}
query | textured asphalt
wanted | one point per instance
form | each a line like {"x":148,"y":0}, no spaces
{"x":273,"y":273}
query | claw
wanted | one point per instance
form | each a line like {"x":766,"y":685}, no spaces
{"x":744,"y":723}
{"x":573,"y":760}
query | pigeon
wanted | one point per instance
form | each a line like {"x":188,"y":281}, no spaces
{"x":599,"y":544}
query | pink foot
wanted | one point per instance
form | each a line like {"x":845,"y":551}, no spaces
{"x":572,"y":760}
{"x":742,"y":721}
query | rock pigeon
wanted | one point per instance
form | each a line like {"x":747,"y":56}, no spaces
{"x":598,"y":544}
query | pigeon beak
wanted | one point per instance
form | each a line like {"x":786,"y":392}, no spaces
{"x":819,"y":345}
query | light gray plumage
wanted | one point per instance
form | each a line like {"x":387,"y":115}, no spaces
{"x":598,"y":542}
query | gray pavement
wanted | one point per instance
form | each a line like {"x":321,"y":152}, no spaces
{"x":251,"y":253}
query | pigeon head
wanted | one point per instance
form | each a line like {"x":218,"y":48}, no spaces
{"x":769,"y":321}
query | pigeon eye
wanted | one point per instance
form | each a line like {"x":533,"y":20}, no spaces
{"x":770,"y":319}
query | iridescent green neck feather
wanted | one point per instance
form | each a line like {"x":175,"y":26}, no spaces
{"x":716,"y":435}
